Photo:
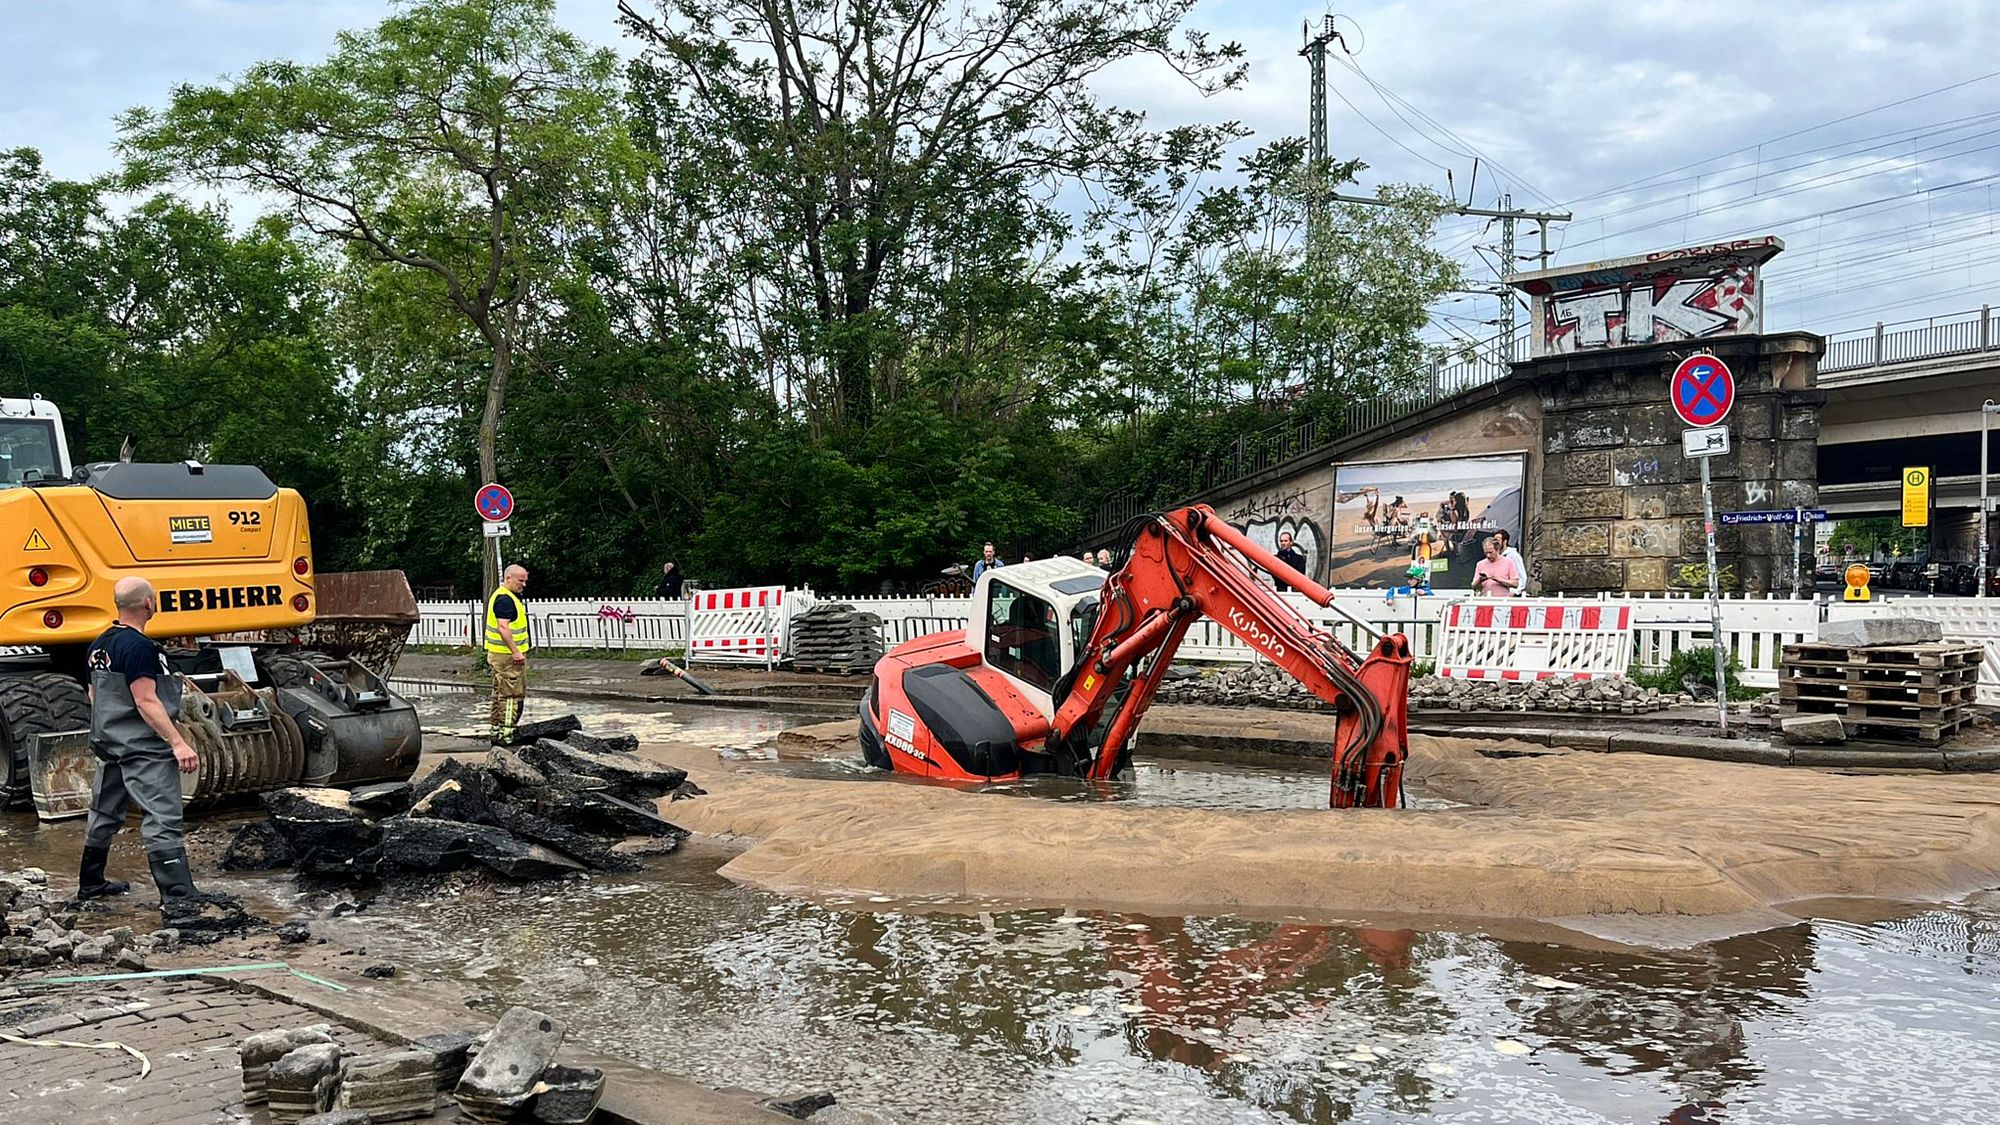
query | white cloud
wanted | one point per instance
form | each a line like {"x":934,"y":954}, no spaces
{"x":1573,"y":96}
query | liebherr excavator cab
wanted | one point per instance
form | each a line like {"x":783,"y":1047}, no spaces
{"x":243,"y":613}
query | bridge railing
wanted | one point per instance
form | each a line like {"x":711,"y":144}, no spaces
{"x":1902,"y":341}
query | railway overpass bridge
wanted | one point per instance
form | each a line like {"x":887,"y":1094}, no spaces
{"x":1908,"y":394}
{"x":1888,"y":397}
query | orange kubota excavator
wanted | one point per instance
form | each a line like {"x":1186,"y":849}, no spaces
{"x":1060,"y":660}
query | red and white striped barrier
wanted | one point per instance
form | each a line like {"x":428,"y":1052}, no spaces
{"x":1534,"y":639}
{"x":741,"y":625}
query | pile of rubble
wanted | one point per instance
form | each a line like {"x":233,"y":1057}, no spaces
{"x":543,"y":810}
{"x":1267,"y":685}
{"x":508,"y":1074}
{"x":1610,"y":695}
{"x":836,"y":637}
{"x":38,"y":927}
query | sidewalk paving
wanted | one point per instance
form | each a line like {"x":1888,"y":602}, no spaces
{"x":187,"y":1026}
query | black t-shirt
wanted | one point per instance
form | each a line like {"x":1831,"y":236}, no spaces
{"x":1294,"y":558}
{"x":128,"y":652}
{"x":506,"y":608}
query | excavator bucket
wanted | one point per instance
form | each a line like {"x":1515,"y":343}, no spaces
{"x":363,"y":615}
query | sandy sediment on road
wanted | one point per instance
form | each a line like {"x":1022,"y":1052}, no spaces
{"x":1550,"y":836}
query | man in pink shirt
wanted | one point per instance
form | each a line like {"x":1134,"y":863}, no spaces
{"x":1496,"y":576}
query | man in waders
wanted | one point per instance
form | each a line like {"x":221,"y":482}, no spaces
{"x":134,"y":696}
{"x":507,"y":652}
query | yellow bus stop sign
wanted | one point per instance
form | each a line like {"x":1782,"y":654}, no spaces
{"x":1916,"y":497}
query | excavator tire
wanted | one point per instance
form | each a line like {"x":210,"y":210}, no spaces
{"x":33,"y":703}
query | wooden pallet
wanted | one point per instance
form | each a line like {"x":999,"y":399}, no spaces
{"x":1917,"y":695}
{"x":1923,"y":693}
{"x":1888,"y":656}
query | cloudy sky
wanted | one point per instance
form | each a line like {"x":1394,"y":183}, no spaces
{"x":1866,"y":134}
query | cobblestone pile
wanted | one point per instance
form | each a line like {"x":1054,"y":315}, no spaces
{"x":39,"y":928}
{"x":1267,"y":685}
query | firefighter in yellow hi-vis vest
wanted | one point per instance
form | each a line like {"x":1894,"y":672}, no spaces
{"x":507,"y":646}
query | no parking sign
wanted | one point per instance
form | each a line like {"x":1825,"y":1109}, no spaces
{"x":1702,"y":390}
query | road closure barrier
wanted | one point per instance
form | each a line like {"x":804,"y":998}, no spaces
{"x":1534,"y":639}
{"x":744,"y":625}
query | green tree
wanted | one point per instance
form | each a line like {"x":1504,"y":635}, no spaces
{"x":469,"y":141}
{"x":865,"y":140}
{"x":1885,"y":534}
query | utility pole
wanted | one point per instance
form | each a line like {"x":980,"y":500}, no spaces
{"x":1316,"y":145}
{"x":1318,"y":162}
{"x":1319,"y":159}
{"x":1508,"y":214}
{"x":1506,"y":263}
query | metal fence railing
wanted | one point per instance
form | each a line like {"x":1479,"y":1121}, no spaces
{"x":1902,"y":341}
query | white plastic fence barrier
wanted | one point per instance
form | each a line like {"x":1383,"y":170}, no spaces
{"x":1534,"y":639}
{"x":1754,"y":630}
{"x":611,"y":623}
{"x":744,"y":625}
{"x":1974,"y":621}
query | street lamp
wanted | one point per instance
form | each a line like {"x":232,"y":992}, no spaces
{"x":1986,"y":410}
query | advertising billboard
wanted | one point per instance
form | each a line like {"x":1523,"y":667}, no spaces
{"x":1380,"y":510}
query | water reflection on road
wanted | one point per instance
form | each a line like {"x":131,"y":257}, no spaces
{"x":1082,"y":1017}
{"x":947,"y":1012}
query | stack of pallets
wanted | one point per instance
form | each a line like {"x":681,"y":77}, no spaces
{"x":1923,"y":693}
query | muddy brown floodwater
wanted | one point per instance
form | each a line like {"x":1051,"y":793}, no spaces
{"x":977,"y":1008}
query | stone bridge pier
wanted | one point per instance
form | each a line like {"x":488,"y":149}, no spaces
{"x":1621,"y":503}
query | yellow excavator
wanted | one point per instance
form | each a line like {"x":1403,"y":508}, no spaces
{"x":285,"y":666}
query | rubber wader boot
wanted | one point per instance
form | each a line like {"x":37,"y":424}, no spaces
{"x":170,"y":873}
{"x":90,"y":880}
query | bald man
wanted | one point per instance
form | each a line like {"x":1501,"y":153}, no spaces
{"x":134,"y":696}
{"x":507,"y":646}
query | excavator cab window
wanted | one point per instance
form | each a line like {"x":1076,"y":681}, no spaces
{"x":1082,"y":623}
{"x":27,"y":451}
{"x":1023,"y":636}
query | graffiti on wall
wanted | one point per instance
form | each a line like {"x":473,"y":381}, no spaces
{"x":1264,"y":517}
{"x":1668,"y":295}
{"x":1651,"y":312}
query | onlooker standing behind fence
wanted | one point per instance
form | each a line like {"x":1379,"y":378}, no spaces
{"x":1508,"y":552}
{"x":1496,"y":576}
{"x":671,"y":578}
{"x":987,"y":561}
{"x":1103,"y":559}
{"x":1290,"y":554}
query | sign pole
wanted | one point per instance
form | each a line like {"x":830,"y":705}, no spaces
{"x":1714,"y":605}
{"x":1701,"y":390}
{"x":1799,"y":521}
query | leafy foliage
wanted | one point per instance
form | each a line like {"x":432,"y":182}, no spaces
{"x":804,"y":293}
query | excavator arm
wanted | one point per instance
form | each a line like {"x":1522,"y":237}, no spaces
{"x":1188,"y":564}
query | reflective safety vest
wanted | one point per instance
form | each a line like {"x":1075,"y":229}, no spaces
{"x":495,"y":642}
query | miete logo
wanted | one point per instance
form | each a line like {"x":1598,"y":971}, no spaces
{"x":1259,"y":636}
{"x":187,"y":523}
